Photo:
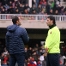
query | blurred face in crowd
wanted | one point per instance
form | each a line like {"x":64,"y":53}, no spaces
{"x":17,"y":10}
{"x":10,"y":2}
{"x":20,"y":5}
{"x":39,"y":6}
{"x":30,"y":48}
{"x":34,"y":12}
{"x":26,"y":11}
{"x":56,"y":11}
{"x":3,"y":9}
{"x":49,"y":22}
{"x":26,"y":4}
{"x":51,"y":10}
{"x":26,"y":49}
{"x":36,"y":45}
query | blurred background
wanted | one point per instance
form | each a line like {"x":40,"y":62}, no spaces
{"x":33,"y":14}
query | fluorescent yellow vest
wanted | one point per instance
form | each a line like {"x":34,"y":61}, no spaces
{"x":53,"y":40}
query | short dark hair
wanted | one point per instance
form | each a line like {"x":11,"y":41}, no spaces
{"x":52,"y":18}
{"x":15,"y":19}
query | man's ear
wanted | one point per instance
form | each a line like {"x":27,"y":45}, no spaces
{"x":17,"y":22}
{"x":51,"y":21}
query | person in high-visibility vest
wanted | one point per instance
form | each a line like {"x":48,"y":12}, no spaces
{"x":52,"y":43}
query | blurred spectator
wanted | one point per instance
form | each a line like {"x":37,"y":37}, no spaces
{"x":26,"y":53}
{"x":39,"y":8}
{"x":16,"y":11}
{"x":5,"y":58}
{"x":57,"y":2}
{"x":42,"y":57}
{"x":59,"y":7}
{"x":11,"y":10}
{"x":38,"y":63}
{"x":35,"y":56}
{"x":32,"y":62}
{"x":26,"y":11}
{"x":24,"y":1}
{"x":45,"y":58}
{"x":1,"y":8}
{"x":62,"y":11}
{"x":26,"y":6}
{"x":61,"y":60}
{"x":37,"y":3}
{"x":52,"y":4}
{"x":30,"y":51}
{"x":51,"y":12}
{"x":20,"y":6}
{"x":6,"y":6}
{"x":43,"y":2}
{"x":40,"y":52}
{"x":42,"y":12}
{"x":34,"y":12}
{"x":56,"y":12}
{"x":37,"y":46}
{"x":33,"y":9}
{"x":10,"y":3}
{"x":3,"y":11}
{"x":47,"y":8}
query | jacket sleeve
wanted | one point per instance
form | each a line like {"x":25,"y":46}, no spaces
{"x":7,"y":42}
{"x":25,"y":36}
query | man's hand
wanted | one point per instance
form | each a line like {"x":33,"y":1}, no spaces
{"x":46,"y":49}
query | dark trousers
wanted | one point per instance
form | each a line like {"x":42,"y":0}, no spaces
{"x":53,"y":60}
{"x":18,"y":58}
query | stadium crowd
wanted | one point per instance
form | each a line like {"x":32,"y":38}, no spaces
{"x":34,"y":56}
{"x":38,"y":7}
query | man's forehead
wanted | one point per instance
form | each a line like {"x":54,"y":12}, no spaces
{"x":48,"y":18}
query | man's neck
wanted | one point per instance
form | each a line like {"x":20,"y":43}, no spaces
{"x":52,"y":26}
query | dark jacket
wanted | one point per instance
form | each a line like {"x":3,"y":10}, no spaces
{"x":16,"y":37}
